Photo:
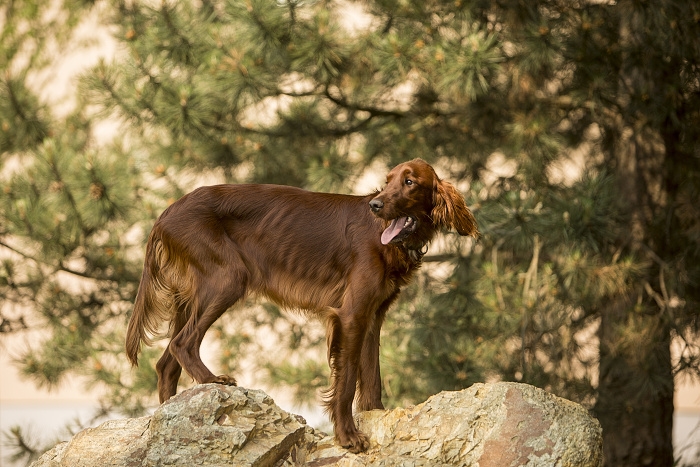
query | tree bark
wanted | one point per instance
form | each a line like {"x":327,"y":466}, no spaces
{"x":635,"y":392}
{"x":636,"y":384}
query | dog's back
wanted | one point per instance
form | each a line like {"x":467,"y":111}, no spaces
{"x":290,"y":245}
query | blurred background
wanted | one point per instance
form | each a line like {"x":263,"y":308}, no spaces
{"x":571,"y":128}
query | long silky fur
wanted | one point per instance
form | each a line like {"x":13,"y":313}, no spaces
{"x":162,"y":291}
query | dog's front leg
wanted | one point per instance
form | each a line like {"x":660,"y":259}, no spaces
{"x":346,"y":337}
{"x":369,"y":387}
{"x":369,"y":395}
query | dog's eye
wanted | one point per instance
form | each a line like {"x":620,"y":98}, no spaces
{"x":408,"y":181}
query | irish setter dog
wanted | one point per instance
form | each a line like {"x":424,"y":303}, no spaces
{"x":344,"y":258}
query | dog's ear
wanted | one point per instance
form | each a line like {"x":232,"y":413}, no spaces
{"x":451,"y":212}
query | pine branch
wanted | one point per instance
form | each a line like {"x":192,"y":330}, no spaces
{"x":19,"y":252}
{"x":16,"y":106}
{"x":22,"y":447}
{"x":388,"y":25}
{"x":373,"y":111}
{"x":441,"y":258}
{"x":121,"y":104}
{"x":64,"y":268}
{"x":54,"y":268}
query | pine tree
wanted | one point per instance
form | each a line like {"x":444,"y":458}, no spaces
{"x":579,"y":285}
{"x":645,"y":143}
{"x":74,"y":215}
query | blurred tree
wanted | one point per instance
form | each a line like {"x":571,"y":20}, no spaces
{"x":73,"y":216}
{"x":571,"y":128}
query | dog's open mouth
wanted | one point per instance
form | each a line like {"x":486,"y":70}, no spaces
{"x":399,"y":229}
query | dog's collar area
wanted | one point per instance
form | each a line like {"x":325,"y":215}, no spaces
{"x":417,"y":255}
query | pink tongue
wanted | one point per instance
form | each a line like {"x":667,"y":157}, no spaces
{"x":393,"y":230}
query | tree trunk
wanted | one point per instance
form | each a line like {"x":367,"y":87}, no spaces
{"x":635,"y":392}
{"x":636,"y":385}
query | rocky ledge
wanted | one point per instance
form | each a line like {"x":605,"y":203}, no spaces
{"x":486,"y":425}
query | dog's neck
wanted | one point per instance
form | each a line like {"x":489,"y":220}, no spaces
{"x":416,"y":255}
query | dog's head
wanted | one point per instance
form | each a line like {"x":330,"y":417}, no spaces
{"x":416,"y":203}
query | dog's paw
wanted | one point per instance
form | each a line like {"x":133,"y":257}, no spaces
{"x":225,"y":379}
{"x":356,"y":442}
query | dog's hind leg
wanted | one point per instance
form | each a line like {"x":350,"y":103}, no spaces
{"x":168,"y":368}
{"x":214,"y":294}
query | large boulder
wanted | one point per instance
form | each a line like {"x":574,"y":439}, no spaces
{"x":486,"y":425}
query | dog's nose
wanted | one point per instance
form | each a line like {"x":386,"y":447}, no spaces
{"x":376,"y":205}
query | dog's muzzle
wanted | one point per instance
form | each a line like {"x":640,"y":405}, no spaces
{"x":376,"y":205}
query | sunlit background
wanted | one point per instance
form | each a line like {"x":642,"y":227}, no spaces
{"x":51,"y":413}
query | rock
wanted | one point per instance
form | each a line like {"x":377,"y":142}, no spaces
{"x":489,"y":425}
{"x":222,"y":426}
{"x":208,"y":425}
{"x":116,"y":442}
{"x":486,"y":425}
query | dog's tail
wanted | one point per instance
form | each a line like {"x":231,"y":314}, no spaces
{"x":154,"y":300}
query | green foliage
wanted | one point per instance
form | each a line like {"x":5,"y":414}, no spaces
{"x":576,"y":275}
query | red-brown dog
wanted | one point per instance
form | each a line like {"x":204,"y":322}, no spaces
{"x":344,"y":258}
